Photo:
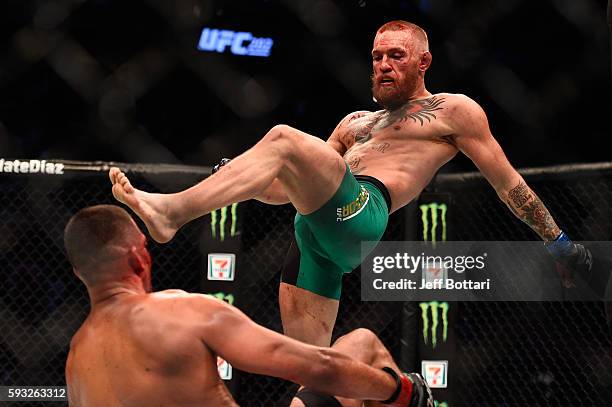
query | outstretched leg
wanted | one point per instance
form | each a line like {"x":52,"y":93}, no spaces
{"x":309,"y":170}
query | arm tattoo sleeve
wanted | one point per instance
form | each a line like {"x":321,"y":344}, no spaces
{"x":529,"y":208}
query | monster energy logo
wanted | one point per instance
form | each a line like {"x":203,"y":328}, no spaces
{"x":440,"y":403}
{"x":433,"y":209}
{"x":215,"y":219}
{"x":435,"y":307}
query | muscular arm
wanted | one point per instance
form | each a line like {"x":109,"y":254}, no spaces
{"x":473,"y":137}
{"x":253,"y":348}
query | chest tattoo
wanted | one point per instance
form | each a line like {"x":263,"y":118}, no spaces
{"x":415,"y":110}
{"x":421,"y":110}
{"x":354,"y":165}
{"x":381,"y":148}
{"x":364,"y":133}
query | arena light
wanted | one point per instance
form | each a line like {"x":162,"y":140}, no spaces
{"x":240,"y":42}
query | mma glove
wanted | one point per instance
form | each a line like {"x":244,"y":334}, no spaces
{"x":412,"y":391}
{"x":572,"y":258}
{"x":223,"y":162}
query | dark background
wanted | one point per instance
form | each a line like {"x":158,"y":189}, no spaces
{"x":123,"y":80}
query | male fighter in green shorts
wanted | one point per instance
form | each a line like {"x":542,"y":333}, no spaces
{"x":392,"y":154}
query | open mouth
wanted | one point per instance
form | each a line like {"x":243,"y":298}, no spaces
{"x":386,"y":82}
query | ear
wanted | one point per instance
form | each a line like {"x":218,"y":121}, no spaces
{"x":425,"y":61}
{"x":135,"y":260}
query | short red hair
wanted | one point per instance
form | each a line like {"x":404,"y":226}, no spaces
{"x":400,"y":25}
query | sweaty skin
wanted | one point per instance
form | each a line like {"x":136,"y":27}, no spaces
{"x":403,"y":149}
{"x":160,"y":349}
{"x":144,"y":350}
{"x":402,"y":145}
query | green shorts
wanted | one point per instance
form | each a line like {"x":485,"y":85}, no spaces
{"x":329,"y":239}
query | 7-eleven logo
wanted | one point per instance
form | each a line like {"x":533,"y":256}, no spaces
{"x":435,"y":373}
{"x":221,"y":266}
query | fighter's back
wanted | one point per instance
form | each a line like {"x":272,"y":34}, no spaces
{"x":144,"y":350}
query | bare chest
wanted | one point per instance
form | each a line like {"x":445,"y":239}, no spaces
{"x":408,"y":128}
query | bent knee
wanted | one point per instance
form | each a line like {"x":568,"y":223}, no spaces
{"x":362,"y":337}
{"x":363,"y":334}
{"x":283,"y":139}
{"x":280,"y":132}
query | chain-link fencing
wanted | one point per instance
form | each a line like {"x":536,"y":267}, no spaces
{"x":510,"y":354}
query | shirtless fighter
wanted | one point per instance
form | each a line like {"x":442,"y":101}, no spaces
{"x":392,"y":153}
{"x":138,"y":348}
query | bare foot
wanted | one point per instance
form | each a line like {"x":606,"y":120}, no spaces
{"x":151,"y":208}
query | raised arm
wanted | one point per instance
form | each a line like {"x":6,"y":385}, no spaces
{"x":473,"y":137}
{"x":253,"y":348}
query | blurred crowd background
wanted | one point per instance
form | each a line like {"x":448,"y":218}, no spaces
{"x":124,"y":80}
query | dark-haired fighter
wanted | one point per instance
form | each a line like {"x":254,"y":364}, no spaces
{"x":138,"y":348}
{"x":392,"y":154}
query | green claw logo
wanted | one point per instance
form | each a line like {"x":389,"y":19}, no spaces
{"x":433,"y":209}
{"x":223,"y":220}
{"x":435,"y":308}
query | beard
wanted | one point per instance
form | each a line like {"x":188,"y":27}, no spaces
{"x":394,"y":96}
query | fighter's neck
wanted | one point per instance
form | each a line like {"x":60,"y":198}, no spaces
{"x":424,"y":94}
{"x":105,"y":292}
{"x":421,"y":95}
